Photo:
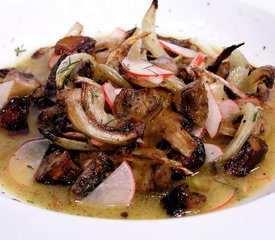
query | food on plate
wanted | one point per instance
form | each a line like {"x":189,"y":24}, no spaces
{"x":135,"y":122}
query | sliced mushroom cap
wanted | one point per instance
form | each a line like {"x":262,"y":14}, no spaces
{"x":245,"y":160}
{"x":192,"y":102}
{"x":223,"y":55}
{"x":167,"y":125}
{"x":79,"y":44}
{"x":142,"y":104}
{"x":264,"y":74}
{"x":23,"y":83}
{"x":166,"y":63}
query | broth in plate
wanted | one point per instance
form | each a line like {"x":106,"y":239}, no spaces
{"x":220,"y":192}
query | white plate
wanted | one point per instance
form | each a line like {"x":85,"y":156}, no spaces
{"x":38,"y":23}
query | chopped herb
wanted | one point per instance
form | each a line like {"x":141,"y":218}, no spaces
{"x":19,"y":50}
{"x":148,"y":68}
{"x":66,"y":79}
{"x":101,"y":121}
{"x":53,"y":164}
{"x":93,"y":98}
{"x":160,"y":99}
{"x":164,"y":82}
{"x":226,"y":184}
{"x":101,"y":177}
{"x":64,"y":69}
{"x":126,"y":66}
{"x":122,"y":129}
{"x":29,"y":166}
{"x":133,"y":95}
{"x":86,"y":192}
{"x":255,"y":116}
{"x":111,"y":121}
{"x":29,"y":201}
{"x":123,"y":113}
{"x":186,"y":124}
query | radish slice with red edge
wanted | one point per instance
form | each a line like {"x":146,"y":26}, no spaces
{"x":97,"y":143}
{"x":256,"y":101}
{"x":75,"y":135}
{"x":229,"y":197}
{"x":224,"y":192}
{"x":26,"y":159}
{"x":229,"y":108}
{"x":235,"y":90}
{"x":117,"y":190}
{"x":185,"y":52}
{"x":155,"y":80}
{"x":52,"y":61}
{"x":214,"y":117}
{"x":118,"y":33}
{"x":212,"y":152}
{"x":109,"y":93}
{"x":198,"y":131}
{"x":141,"y":142}
{"x":142,"y":68}
{"x":197,"y":61}
{"x":266,"y":178}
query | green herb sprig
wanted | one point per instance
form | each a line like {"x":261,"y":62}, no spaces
{"x":64,"y":69}
{"x":226,"y":184}
{"x":149,"y":69}
{"x":19,"y":50}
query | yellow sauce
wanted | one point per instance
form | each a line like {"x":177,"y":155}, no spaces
{"x":144,"y":206}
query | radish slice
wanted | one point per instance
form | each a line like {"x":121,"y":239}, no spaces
{"x":141,"y":142}
{"x":235,"y":90}
{"x":256,"y":101}
{"x":266,"y":178}
{"x":52,"y":61}
{"x":118,"y":33}
{"x":197,"y":61}
{"x":212,"y":152}
{"x":5,"y":89}
{"x":198,"y":131}
{"x":143,"y":68}
{"x":109,"y":92}
{"x":75,"y":135}
{"x":26,"y":160}
{"x":117,"y":90}
{"x":117,"y":190}
{"x":229,"y":197}
{"x":154,"y":80}
{"x":97,"y":143}
{"x":214,"y":118}
{"x":229,"y":108}
{"x":186,"y":52}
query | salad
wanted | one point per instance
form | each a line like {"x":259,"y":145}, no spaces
{"x":137,"y":117}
